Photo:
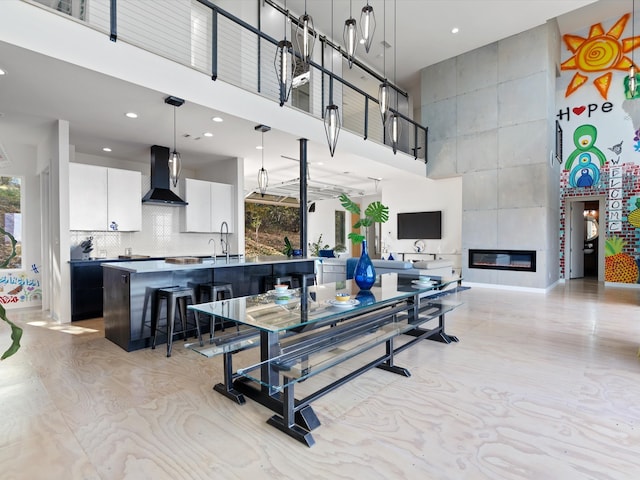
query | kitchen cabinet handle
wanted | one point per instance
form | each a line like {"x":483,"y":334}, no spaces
{"x":125,"y":279}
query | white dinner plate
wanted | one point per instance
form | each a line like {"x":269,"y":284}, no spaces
{"x":423,"y":284}
{"x":349,"y":303}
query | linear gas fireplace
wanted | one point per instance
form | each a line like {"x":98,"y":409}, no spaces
{"x":515,"y":260}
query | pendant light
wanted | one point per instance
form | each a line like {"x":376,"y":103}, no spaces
{"x":395,"y":118}
{"x":263,"y":176}
{"x":285,"y":63}
{"x":175,"y":160}
{"x":303,"y":32}
{"x":350,"y":36}
{"x":331,"y":113}
{"x":367,"y":25}
{"x":632,"y":83}
{"x":383,"y":91}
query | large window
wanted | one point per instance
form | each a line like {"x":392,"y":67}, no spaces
{"x":10,"y":223}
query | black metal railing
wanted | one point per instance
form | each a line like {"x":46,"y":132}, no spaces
{"x":247,"y":63}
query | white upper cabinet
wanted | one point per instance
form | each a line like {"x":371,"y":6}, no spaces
{"x":209,"y":204}
{"x":104,"y":199}
{"x":87,"y":197}
{"x":124,"y":200}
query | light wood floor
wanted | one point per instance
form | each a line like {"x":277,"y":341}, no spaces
{"x":541,"y":386}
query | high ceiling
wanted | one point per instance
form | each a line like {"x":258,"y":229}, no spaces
{"x":39,"y":89}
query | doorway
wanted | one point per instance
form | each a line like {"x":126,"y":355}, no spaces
{"x":585,"y":237}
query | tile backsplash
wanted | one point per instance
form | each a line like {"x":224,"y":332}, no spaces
{"x":160,"y":237}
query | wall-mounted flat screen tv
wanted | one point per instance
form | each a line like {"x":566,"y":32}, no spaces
{"x":420,"y":225}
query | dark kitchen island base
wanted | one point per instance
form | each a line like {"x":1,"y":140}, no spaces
{"x":129,"y":289}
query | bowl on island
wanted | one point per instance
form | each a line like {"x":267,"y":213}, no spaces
{"x":281,"y":288}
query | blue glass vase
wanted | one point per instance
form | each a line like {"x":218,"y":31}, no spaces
{"x":364,"y":274}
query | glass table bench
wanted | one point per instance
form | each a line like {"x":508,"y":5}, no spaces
{"x":306,"y":332}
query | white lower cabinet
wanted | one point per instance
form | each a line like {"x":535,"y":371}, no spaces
{"x":209,"y":204}
{"x":104,"y":199}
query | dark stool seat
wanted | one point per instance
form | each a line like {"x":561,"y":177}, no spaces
{"x":173,"y":296}
{"x":303,"y":279}
{"x":214,"y":291}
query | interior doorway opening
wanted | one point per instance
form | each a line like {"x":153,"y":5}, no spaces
{"x":584,"y":246}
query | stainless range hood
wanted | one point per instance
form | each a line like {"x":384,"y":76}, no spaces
{"x":160,"y":192}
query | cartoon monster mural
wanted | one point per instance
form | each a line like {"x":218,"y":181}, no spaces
{"x":590,"y":158}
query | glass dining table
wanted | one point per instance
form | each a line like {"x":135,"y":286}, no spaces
{"x":303,"y":332}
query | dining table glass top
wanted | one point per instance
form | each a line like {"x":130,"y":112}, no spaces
{"x":279,"y":312}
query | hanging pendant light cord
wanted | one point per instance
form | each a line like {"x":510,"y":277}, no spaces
{"x":263,"y":149}
{"x":174,"y":130}
{"x":395,"y":47}
{"x":384,"y":38}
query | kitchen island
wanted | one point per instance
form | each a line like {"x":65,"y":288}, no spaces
{"x":129,"y":288}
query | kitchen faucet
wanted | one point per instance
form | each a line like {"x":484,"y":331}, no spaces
{"x":224,"y":241}
{"x":214,"y":248}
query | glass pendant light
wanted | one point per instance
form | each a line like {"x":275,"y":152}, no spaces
{"x":332,"y":126}
{"x":285,"y":63}
{"x":263,"y":176}
{"x":175,"y":160}
{"x":303,"y":32}
{"x":350,"y":36}
{"x":331,"y":113}
{"x":367,"y":25}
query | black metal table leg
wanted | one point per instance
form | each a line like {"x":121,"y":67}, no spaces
{"x":286,"y":423}
{"x":227,"y":389}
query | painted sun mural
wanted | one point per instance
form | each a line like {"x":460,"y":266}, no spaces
{"x":598,"y":54}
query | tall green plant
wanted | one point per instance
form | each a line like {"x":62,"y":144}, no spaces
{"x":375,"y":212}
{"x":16,"y":331}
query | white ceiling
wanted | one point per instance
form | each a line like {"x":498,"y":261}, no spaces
{"x":39,"y":89}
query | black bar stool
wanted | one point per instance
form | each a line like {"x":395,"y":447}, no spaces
{"x":174,"y":295}
{"x":215,"y":291}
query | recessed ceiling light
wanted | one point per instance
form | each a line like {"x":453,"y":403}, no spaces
{"x":208,"y":134}
{"x":216,"y":119}
{"x":319,"y":163}
{"x":455,"y":30}
{"x":2,"y":72}
{"x":106,"y":149}
{"x":131,"y":115}
{"x":362,"y":41}
{"x":259,"y":147}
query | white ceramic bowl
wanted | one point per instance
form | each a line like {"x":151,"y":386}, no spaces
{"x":281,"y":288}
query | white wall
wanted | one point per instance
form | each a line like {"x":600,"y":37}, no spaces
{"x":322,"y":222}
{"x":423,"y":194}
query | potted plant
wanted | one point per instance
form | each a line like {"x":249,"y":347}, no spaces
{"x":315,"y":247}
{"x":364,"y":273}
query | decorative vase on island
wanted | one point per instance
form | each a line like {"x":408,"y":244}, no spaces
{"x":364,"y":273}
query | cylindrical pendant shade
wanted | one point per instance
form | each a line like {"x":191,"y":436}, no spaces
{"x":383,"y":100}
{"x":305,"y":37}
{"x":394,"y":131}
{"x":350,"y":37}
{"x":367,"y":26}
{"x":263,"y":181}
{"x":285,"y":65}
{"x":175,"y":167}
{"x":332,"y":126}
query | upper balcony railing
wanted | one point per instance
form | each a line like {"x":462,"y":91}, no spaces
{"x":203,"y":36}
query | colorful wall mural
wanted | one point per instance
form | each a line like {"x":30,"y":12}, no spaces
{"x":20,"y":289}
{"x":601,"y":140}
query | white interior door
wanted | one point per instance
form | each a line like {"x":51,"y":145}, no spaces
{"x":576,"y":233}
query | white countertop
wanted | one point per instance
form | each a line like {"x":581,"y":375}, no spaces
{"x":150,"y":266}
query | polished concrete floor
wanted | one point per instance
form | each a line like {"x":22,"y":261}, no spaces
{"x":540,"y":386}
